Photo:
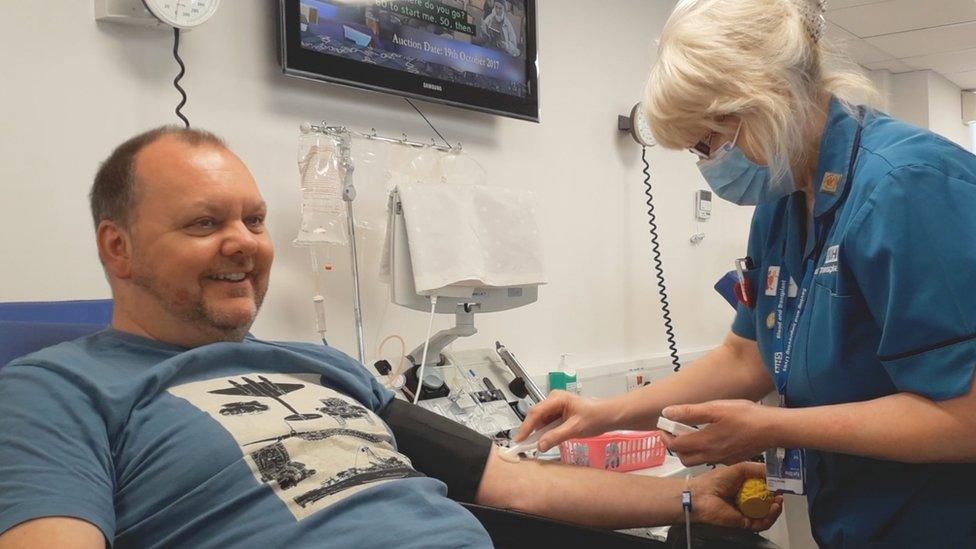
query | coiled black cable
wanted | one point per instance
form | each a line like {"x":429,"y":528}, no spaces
{"x":176,"y":82}
{"x":658,"y":266}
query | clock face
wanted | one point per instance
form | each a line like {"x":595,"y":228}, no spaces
{"x":183,"y":14}
{"x":641,"y":127}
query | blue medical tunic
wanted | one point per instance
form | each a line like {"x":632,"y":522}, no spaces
{"x":891,"y":308}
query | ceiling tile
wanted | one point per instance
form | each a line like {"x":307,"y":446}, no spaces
{"x":965,"y":80}
{"x":857,"y":49}
{"x":894,"y":16}
{"x":840,"y":4}
{"x":895,"y":66}
{"x":927,"y":41}
{"x":945,"y":63}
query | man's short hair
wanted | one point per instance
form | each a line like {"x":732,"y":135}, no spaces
{"x":113,"y":194}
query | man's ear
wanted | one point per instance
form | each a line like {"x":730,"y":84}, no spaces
{"x":114,"y":249}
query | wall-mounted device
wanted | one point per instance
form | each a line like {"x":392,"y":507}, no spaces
{"x":173,"y":15}
{"x":481,"y":56}
{"x":165,"y":14}
{"x":640,"y":129}
{"x":703,"y":205}
{"x":638,"y":126}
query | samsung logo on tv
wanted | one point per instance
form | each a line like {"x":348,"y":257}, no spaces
{"x":435,"y":87}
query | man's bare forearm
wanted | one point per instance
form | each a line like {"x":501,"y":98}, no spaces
{"x":581,"y":495}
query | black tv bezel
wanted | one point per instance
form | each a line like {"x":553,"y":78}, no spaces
{"x":302,"y":63}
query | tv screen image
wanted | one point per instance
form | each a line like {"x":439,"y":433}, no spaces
{"x":477,"y":54}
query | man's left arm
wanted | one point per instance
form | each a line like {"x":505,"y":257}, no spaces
{"x":471,"y":467}
{"x":604,"y":499}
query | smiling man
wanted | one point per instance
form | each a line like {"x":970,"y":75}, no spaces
{"x":175,"y":428}
{"x":181,"y":275}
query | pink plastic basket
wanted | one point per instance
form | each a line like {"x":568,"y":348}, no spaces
{"x":616,"y":451}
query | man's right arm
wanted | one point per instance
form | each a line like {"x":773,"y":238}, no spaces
{"x":56,"y":468}
{"x":61,"y":532}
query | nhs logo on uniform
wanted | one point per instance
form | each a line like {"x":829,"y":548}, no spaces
{"x":833,"y":254}
{"x":777,"y":362}
{"x":831,"y":262}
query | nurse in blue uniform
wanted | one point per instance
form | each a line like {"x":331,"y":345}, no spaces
{"x":859,"y":307}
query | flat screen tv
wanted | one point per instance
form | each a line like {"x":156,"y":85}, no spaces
{"x":474,"y":54}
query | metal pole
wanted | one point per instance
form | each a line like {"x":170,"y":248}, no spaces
{"x":349,"y":195}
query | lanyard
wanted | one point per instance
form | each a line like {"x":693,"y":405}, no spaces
{"x":784,"y":337}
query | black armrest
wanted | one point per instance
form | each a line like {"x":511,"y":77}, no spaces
{"x":512,"y":530}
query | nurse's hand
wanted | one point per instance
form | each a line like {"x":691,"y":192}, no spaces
{"x":584,"y":417}
{"x":737,"y":431}
{"x":713,"y":497}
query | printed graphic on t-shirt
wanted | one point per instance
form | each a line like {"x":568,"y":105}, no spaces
{"x":313,"y":445}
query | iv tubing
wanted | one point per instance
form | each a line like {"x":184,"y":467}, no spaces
{"x":403,"y":351}
{"x":423,"y":357}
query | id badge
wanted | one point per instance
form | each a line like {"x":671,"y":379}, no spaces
{"x":784,"y":470}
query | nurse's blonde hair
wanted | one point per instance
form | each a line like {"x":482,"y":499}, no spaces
{"x":763,"y":62}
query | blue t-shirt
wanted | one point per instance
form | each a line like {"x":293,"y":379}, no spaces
{"x":252,"y":444}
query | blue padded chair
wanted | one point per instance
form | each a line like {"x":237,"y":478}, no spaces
{"x":26,"y":327}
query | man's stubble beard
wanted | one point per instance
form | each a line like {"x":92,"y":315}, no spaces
{"x":196,"y":312}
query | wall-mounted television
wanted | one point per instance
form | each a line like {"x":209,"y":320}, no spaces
{"x":474,"y":54}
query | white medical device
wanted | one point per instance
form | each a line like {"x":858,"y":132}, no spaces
{"x":463,"y":301}
{"x":638,"y":126}
{"x":481,"y":377}
{"x":530,"y":444}
{"x":703,"y":205}
{"x":674,"y":427}
{"x":184,"y":15}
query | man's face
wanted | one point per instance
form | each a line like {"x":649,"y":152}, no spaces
{"x":498,"y":10}
{"x":201,"y":254}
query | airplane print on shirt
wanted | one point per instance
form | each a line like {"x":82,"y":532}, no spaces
{"x":313,"y":445}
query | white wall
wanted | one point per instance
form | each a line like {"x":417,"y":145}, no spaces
{"x":70,"y":97}
{"x":945,"y":110}
{"x":926,"y":99}
{"x":909,"y":97}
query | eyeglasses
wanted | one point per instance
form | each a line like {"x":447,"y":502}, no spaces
{"x":703,"y":149}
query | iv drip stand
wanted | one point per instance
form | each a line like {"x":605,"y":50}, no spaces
{"x":348,"y":196}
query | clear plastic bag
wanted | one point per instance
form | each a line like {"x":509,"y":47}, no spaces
{"x":323,"y":211}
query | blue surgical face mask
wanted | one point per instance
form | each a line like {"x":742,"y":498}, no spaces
{"x":735,"y":178}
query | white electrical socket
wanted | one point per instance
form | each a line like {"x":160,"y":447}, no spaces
{"x":129,"y":12}
{"x":636,"y":379}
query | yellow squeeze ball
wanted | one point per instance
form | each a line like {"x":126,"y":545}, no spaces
{"x":754,"y":498}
